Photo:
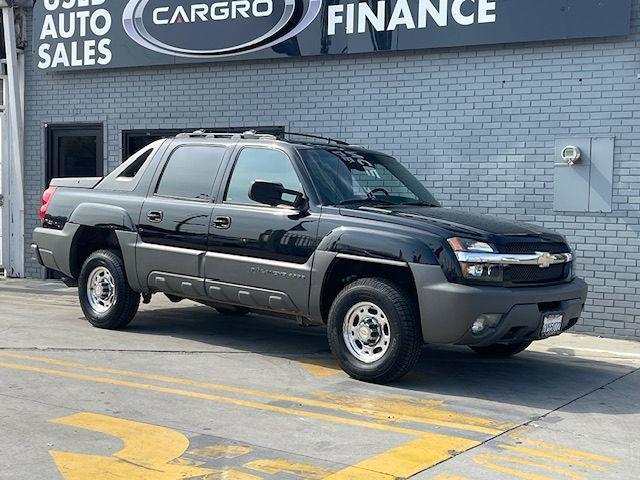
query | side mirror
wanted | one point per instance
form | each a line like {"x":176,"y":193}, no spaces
{"x":270,"y":193}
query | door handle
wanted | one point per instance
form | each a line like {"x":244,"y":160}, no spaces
{"x":154,"y":216}
{"x":222,"y":222}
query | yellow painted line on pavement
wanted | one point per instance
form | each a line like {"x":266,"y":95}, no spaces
{"x":411,"y":410}
{"x":555,"y":456}
{"x":403,"y":461}
{"x":425,"y":414}
{"x":490,"y":461}
{"x":543,"y":466}
{"x":568,"y":451}
{"x":320,"y":368}
{"x":438,"y":438}
{"x":428,"y":449}
{"x":216,"y":452}
{"x":147,"y":451}
{"x":230,"y":474}
{"x":275,"y":466}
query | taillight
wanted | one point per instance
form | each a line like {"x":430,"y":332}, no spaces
{"x":46,"y":198}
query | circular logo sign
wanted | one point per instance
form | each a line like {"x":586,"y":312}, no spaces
{"x":193,"y":28}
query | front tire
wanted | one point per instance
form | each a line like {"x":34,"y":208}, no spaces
{"x":373,"y":331}
{"x":501,"y":349}
{"x":106,"y":298}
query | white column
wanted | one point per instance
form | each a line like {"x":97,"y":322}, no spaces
{"x":4,"y":187}
{"x":14,"y":198}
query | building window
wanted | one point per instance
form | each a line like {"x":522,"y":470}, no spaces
{"x":134,"y":140}
{"x":74,"y":150}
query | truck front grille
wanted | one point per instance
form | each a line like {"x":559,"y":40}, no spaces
{"x":520,"y":274}
{"x":533,"y":274}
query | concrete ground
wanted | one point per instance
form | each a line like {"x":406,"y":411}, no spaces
{"x":185,"y":392}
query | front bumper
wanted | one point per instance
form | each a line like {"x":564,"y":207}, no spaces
{"x":448,"y":310}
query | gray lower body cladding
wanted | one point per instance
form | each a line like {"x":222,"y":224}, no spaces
{"x":448,"y":310}
{"x":52,"y":248}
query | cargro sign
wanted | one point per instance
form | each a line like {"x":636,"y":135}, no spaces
{"x":76,"y":34}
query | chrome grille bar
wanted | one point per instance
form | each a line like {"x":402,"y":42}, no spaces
{"x":541,"y":259}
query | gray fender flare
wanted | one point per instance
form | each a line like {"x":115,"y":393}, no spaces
{"x":114,"y":218}
{"x":100,"y":215}
{"x":359,"y":244}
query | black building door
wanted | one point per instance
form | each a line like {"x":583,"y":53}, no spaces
{"x":74,"y":151}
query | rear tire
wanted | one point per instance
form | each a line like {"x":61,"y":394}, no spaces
{"x":232,"y":311}
{"x":501,"y":349}
{"x":106,"y":298}
{"x":373,"y":331}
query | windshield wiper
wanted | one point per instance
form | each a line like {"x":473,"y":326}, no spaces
{"x":373,"y":201}
{"x":419,"y":204}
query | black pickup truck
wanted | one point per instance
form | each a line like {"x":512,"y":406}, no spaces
{"x":318,"y":231}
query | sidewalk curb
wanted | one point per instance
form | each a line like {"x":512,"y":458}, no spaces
{"x":52,"y":287}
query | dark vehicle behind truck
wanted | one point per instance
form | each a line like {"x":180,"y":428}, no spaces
{"x":321,"y":232}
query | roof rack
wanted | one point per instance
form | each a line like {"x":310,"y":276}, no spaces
{"x":317,"y":137}
{"x":205,"y":134}
{"x":254,"y":134}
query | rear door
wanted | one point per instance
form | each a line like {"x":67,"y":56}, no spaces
{"x":175,"y":216}
{"x":260,"y":256}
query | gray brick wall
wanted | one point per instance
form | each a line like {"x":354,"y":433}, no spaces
{"x":477,"y":125}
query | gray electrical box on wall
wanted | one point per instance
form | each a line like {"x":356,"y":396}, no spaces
{"x":583,"y":177}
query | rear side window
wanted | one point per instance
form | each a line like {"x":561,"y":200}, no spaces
{"x":134,"y":167}
{"x":190,"y":172}
{"x":126,"y":177}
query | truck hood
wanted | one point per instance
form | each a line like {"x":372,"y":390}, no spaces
{"x":450,"y":222}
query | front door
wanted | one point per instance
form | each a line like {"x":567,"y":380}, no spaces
{"x":73,"y":151}
{"x":174,"y":221}
{"x":260,"y":256}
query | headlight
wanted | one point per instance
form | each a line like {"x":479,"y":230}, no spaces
{"x":573,"y":262}
{"x":572,"y":251}
{"x":477,"y":271}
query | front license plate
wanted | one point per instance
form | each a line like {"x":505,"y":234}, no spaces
{"x":551,"y":325}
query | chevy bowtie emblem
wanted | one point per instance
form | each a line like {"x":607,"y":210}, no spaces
{"x":545,"y":260}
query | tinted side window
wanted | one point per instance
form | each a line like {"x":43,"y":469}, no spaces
{"x":260,"y":164}
{"x":190,"y":172}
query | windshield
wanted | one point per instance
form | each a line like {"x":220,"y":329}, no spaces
{"x":345,"y":177}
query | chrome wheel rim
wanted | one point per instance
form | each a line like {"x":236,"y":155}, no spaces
{"x":366,"y":332}
{"x":101,"y":289}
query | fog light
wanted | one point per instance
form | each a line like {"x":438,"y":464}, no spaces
{"x":484,"y":321}
{"x":478,"y":326}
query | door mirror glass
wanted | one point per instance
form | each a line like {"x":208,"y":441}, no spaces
{"x":275,"y":194}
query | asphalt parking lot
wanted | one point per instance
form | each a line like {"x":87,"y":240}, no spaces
{"x":185,"y":392}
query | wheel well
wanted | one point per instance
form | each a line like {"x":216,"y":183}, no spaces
{"x":342,"y":272}
{"x":87,"y":240}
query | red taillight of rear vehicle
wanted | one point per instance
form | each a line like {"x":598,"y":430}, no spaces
{"x":46,"y":198}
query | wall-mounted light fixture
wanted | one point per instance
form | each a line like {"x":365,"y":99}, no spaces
{"x":571,"y":154}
